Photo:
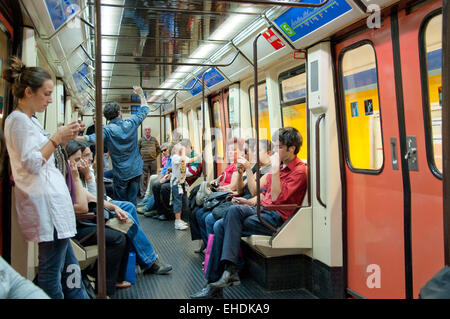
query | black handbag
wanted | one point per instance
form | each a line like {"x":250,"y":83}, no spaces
{"x":215,"y":199}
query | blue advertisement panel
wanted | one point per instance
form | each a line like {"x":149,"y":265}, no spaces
{"x":61,"y":10}
{"x":79,"y":77}
{"x":212,"y":77}
{"x":298,"y":22}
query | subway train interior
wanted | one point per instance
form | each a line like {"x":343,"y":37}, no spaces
{"x":365,"y":82}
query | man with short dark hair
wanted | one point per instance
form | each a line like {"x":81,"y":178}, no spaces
{"x":284,"y":184}
{"x":120,"y":137}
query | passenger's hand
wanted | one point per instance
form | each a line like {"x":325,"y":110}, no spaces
{"x":243,"y":161}
{"x":74,"y":170}
{"x":83,"y":166}
{"x":66,"y":132}
{"x":275,"y":161}
{"x":138,"y":90}
{"x":121,"y":214}
{"x":241,"y":201}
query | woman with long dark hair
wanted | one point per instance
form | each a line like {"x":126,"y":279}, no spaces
{"x":42,"y":200}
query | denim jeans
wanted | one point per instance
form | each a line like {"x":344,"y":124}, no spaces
{"x":59,"y":271}
{"x":240,"y":220}
{"x":149,"y":203}
{"x":200,"y":215}
{"x":127,"y":190}
{"x":145,"y":254}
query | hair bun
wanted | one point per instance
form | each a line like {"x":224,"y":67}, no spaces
{"x":15,"y":70}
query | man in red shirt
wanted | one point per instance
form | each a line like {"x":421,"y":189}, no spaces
{"x":285,"y":184}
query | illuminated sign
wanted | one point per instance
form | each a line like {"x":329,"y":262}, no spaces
{"x":61,"y":10}
{"x":298,"y":22}
{"x":212,"y":77}
{"x":274,"y":41}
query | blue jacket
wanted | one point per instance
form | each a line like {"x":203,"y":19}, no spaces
{"x":121,"y":137}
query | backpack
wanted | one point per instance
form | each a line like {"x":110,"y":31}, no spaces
{"x":215,"y":199}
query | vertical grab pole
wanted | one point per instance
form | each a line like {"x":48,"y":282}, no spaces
{"x":99,"y":146}
{"x":255,"y":104}
{"x":203,"y":126}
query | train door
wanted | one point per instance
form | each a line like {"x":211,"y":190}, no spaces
{"x":420,"y":38}
{"x":219,"y":109}
{"x":388,"y":211}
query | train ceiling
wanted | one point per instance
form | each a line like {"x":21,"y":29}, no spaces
{"x":163,"y":44}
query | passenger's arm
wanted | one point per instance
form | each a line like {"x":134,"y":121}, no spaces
{"x":276,"y":183}
{"x":81,"y":206}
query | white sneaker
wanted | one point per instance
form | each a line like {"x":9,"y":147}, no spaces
{"x":180,"y":225}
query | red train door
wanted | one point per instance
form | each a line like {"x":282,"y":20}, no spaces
{"x":219,"y":109}
{"x":420,"y":38}
{"x":394,"y":232}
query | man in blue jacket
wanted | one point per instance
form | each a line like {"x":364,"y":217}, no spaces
{"x":120,"y":137}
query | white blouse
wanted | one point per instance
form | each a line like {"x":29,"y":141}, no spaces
{"x":42,"y":198}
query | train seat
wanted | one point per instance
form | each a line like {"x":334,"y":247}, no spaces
{"x":293,"y":237}
{"x":86,"y":255}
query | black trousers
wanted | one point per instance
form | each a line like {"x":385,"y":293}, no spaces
{"x":161,"y":193}
{"x":117,"y":250}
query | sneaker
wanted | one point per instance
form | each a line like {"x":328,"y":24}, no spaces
{"x":158,"y":268}
{"x":141,"y":210}
{"x":151,"y":213}
{"x":180,"y":225}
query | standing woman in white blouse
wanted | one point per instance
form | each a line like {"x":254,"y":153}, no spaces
{"x":42,"y":199}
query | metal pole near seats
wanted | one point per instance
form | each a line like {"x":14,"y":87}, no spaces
{"x":101,"y":277}
{"x":255,"y":105}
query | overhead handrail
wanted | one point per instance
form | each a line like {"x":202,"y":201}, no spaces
{"x":277,"y":3}
{"x":318,"y":195}
{"x":176,"y":10}
{"x":174,"y":63}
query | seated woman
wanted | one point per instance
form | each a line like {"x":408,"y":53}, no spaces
{"x":116,"y":243}
{"x":146,"y":257}
{"x":245,"y":184}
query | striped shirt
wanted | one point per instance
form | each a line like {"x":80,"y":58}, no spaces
{"x":149,"y":148}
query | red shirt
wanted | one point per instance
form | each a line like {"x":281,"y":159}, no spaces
{"x":293,"y":187}
{"x":228,"y":173}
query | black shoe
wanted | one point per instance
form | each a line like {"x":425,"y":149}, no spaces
{"x":228,"y":279}
{"x":201,"y":250}
{"x":158,"y":269}
{"x":162,"y":217}
{"x":209,"y":292}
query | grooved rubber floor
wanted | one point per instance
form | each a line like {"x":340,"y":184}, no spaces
{"x":176,"y":248}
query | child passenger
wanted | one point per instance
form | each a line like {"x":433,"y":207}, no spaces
{"x":178,"y":180}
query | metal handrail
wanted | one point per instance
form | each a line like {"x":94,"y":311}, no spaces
{"x":318,"y":195}
{"x":255,"y":104}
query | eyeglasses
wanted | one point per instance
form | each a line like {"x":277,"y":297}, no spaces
{"x":162,"y":151}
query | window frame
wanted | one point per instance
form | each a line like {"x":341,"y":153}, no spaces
{"x":251,"y":102}
{"x":423,"y":63}
{"x":340,"y":77}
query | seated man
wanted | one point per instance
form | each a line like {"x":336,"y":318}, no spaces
{"x":285,"y":184}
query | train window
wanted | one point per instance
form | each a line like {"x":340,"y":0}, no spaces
{"x":200,"y":127}
{"x":218,"y":130}
{"x":362,"y":111}
{"x":293,"y":104}
{"x":263,"y":110}
{"x":431,"y":69}
{"x":168,"y":133}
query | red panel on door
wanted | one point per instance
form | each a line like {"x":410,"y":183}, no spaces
{"x":375,"y":232}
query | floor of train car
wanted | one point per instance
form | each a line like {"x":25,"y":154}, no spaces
{"x":176,"y":248}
